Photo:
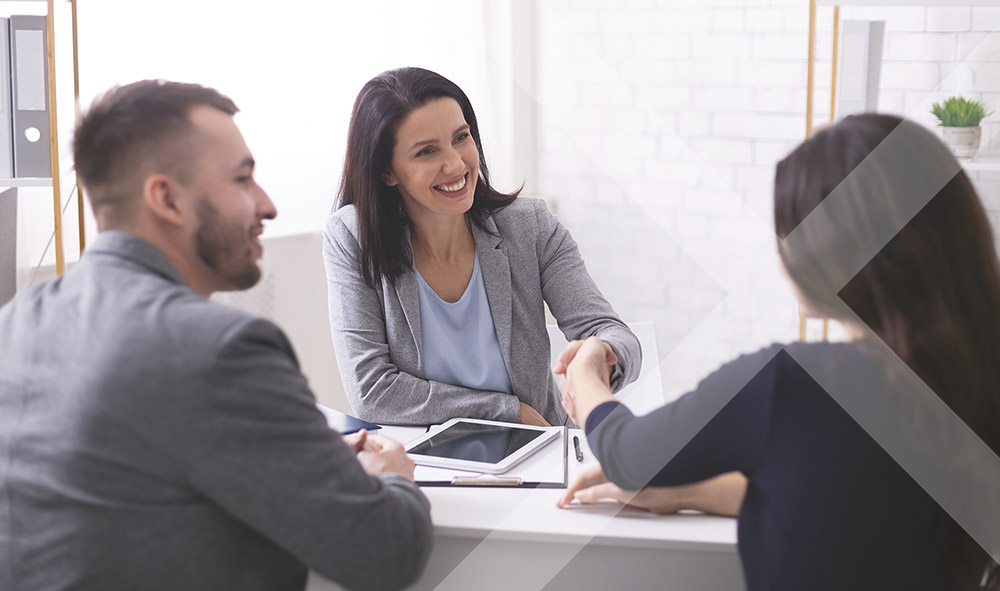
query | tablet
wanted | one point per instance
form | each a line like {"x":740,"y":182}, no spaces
{"x":479,"y":445}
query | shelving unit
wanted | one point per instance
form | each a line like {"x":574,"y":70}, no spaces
{"x":836,"y":4}
{"x":25,"y":182}
{"x":981,"y":163}
{"x":56,"y":181}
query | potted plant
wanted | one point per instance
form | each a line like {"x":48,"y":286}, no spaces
{"x":960,"y":120}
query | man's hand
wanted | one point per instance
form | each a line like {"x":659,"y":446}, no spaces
{"x":530,"y":416}
{"x":382,"y":455}
{"x":357,"y":440}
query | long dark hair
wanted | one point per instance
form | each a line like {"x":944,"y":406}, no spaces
{"x":931,"y":293}
{"x":381,"y":106}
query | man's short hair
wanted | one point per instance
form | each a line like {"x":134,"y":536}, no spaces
{"x":135,"y":130}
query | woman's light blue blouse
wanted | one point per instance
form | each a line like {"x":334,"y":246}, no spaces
{"x":459,"y":339}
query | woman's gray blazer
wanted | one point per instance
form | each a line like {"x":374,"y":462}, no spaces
{"x":531,"y":258}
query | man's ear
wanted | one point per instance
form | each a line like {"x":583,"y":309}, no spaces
{"x":162,"y":195}
{"x":389,"y":179}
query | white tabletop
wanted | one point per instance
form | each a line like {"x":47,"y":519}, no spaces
{"x":505,"y":538}
{"x":531,"y":514}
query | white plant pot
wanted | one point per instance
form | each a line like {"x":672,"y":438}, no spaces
{"x":963,"y":141}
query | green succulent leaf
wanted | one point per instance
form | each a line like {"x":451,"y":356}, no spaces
{"x":959,"y":112}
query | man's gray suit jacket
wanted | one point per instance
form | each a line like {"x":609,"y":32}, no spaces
{"x":152,"y":439}
{"x":527,"y":259}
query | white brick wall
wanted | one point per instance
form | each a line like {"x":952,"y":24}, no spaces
{"x":660,"y":125}
{"x":944,"y":19}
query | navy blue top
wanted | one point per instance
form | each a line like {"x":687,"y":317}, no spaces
{"x":826,"y":507}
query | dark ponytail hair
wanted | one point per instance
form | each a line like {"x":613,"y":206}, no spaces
{"x":381,"y":106}
{"x":931,"y":293}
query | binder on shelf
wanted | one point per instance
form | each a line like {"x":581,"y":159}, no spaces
{"x":6,"y":120}
{"x":30,"y":97}
{"x":860,"y":65}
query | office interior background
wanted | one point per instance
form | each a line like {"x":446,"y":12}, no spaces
{"x":651,"y":127}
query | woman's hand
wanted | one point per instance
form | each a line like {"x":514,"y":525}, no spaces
{"x":586,"y":370}
{"x":567,"y":355}
{"x":592,"y":486}
{"x":721,"y":495}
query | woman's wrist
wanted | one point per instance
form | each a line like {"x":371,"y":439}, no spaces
{"x":590,"y":392}
{"x":720,"y":495}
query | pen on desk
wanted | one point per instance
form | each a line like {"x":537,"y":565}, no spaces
{"x":576,"y":446}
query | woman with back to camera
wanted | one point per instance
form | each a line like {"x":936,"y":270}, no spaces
{"x":880,"y":229}
{"x":437,"y":280}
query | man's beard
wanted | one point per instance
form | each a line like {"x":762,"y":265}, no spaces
{"x":225,"y":249}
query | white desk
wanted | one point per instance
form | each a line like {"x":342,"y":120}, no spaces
{"x":517,"y":539}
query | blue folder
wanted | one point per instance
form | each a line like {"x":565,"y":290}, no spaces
{"x":345,"y":424}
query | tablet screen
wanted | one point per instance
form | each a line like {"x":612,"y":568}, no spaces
{"x":476,"y":442}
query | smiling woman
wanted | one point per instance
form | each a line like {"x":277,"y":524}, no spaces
{"x":434,"y":275}
{"x":290,"y":114}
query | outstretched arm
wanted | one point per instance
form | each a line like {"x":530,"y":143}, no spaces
{"x":576,"y":302}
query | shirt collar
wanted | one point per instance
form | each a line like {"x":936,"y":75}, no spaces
{"x":128,"y":246}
